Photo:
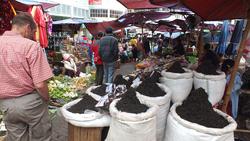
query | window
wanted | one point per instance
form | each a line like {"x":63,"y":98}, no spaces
{"x":75,"y":11}
{"x":115,"y":14}
{"x":98,"y":13}
{"x":68,"y":10}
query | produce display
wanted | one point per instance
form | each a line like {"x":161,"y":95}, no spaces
{"x":62,"y":89}
{"x":176,"y":68}
{"x":130,"y":103}
{"x":207,"y":68}
{"x":150,"y":89}
{"x":197,"y":109}
{"x":87,"y":103}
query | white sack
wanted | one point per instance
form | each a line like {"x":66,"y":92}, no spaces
{"x":93,"y":95}
{"x":132,"y":127}
{"x":178,"y":129}
{"x":214,"y":85}
{"x":91,"y":119}
{"x":180,"y":83}
{"x":161,"y":117}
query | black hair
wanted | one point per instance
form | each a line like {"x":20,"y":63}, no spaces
{"x":109,"y":30}
{"x":227,"y":64}
{"x":100,"y":35}
{"x":207,"y":46}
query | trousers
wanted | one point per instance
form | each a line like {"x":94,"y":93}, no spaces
{"x":109,"y":71}
{"x":99,"y":74}
{"x":26,"y":118}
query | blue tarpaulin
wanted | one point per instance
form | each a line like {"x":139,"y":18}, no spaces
{"x":223,"y":38}
{"x":235,"y":39}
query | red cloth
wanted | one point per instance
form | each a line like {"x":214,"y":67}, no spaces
{"x":41,"y":23}
{"x":22,"y":64}
{"x":95,"y":48}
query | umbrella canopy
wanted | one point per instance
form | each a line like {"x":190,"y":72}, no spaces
{"x":164,"y":28}
{"x":181,"y":23}
{"x":223,"y":38}
{"x":210,"y":9}
{"x":23,"y":5}
{"x":73,"y":21}
{"x":95,"y":28}
{"x":138,"y":4}
{"x":142,"y":17}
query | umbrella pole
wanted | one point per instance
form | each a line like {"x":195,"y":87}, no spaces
{"x":235,"y":68}
{"x":200,"y":44}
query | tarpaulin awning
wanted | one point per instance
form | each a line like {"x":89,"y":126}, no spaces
{"x":138,"y":4}
{"x":211,"y":9}
{"x":165,"y":3}
{"x":24,"y":5}
{"x":73,"y":21}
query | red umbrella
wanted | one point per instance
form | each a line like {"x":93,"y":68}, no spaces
{"x":95,"y":28}
{"x":138,"y":4}
{"x":142,"y":17}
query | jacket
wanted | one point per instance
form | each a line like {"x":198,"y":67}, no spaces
{"x":108,"y":50}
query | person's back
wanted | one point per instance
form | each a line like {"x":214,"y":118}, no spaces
{"x":109,"y":49}
{"x":108,"y":52}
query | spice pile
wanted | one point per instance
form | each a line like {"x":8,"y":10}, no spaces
{"x":150,"y":89}
{"x":176,"y":68}
{"x":207,"y":68}
{"x":130,"y":103}
{"x":197,"y":109}
{"x":87,"y":103}
{"x":119,"y":80}
{"x":154,"y":77}
{"x":101,"y":90}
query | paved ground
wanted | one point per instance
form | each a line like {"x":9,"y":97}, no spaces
{"x":60,"y":126}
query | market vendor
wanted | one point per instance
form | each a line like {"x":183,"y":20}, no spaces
{"x":69,"y":65}
{"x":24,"y":73}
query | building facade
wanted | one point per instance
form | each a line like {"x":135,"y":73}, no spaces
{"x":99,"y":10}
